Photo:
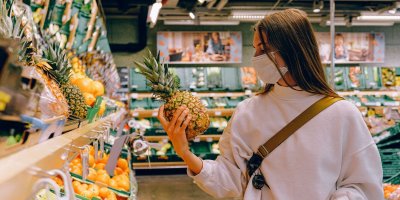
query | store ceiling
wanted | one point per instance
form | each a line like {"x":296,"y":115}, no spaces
{"x":211,"y":10}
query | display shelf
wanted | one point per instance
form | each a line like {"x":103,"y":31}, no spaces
{"x":197,"y":94}
{"x":15,"y":169}
{"x":159,"y":165}
{"x":201,"y":137}
{"x":211,"y":113}
{"x":363,"y":93}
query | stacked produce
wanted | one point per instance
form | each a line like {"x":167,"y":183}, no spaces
{"x":97,"y":174}
{"x":391,"y":192}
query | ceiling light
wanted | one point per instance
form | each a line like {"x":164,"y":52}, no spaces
{"x":191,"y":22}
{"x":154,"y":10}
{"x":191,"y":15}
{"x":201,"y":1}
{"x":379,"y":17}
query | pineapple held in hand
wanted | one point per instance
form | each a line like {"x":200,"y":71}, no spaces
{"x":165,"y":86}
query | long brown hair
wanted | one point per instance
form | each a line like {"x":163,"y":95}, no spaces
{"x":290,"y":33}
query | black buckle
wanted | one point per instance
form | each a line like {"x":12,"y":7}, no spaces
{"x":252,"y":165}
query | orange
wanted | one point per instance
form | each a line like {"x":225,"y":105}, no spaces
{"x":104,"y":192}
{"x":97,"y":88}
{"x":94,"y":189}
{"x":91,"y":150}
{"x":58,"y":180}
{"x":104,"y":160}
{"x":89,"y":99}
{"x":101,"y":171}
{"x":118,"y":171}
{"x":87,"y":193}
{"x":84,"y":84}
{"x":76,"y":161}
{"x":124,"y":184}
{"x":76,"y":170}
{"x":122,"y":163}
{"x":111,"y":196}
{"x":99,"y":166}
{"x":103,"y":178}
{"x":84,"y":186}
{"x":78,"y":165}
{"x":80,"y":189}
{"x":92,"y":174}
{"x":112,"y":183}
{"x":91,"y":161}
{"x":76,"y":185}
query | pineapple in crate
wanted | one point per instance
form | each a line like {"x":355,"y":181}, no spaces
{"x":165,"y":85}
{"x":59,"y":69}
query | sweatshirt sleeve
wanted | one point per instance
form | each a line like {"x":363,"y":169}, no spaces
{"x":223,"y":177}
{"x":361,"y":173}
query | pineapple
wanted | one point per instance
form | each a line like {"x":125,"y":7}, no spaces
{"x":165,"y":86}
{"x":60,"y":71}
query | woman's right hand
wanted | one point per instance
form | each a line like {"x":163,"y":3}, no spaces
{"x":176,"y":129}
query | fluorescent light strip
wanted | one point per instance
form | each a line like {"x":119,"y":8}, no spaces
{"x":248,"y":16}
{"x":191,"y":22}
{"x":379,"y":17}
{"x":155,"y":9}
{"x":191,"y":15}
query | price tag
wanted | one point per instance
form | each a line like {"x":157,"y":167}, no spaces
{"x":194,"y":93}
{"x":134,"y":95}
{"x":229,"y":94}
{"x":218,"y":113}
{"x":165,"y":140}
{"x":356,"y":91}
{"x":209,"y":139}
{"x":213,"y":94}
{"x":197,"y":139}
{"x":154,"y":114}
{"x":135,"y":114}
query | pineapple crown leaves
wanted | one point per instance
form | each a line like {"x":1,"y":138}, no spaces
{"x":11,"y":25}
{"x":163,"y":82}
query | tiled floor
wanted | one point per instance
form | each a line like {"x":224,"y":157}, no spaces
{"x":169,"y":187}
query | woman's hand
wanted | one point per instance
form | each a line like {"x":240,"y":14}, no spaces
{"x":176,"y":129}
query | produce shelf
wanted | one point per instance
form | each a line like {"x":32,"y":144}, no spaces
{"x":211,"y":113}
{"x":201,"y":137}
{"x":160,"y":165}
{"x":197,"y":94}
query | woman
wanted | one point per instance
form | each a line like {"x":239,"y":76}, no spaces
{"x":215,"y":44}
{"x":331,"y":157}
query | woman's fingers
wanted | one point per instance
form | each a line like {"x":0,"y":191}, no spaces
{"x":161,"y":117}
{"x":185,"y":124}
{"x":177,"y":113}
{"x":181,"y":118}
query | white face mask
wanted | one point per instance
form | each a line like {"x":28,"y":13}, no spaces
{"x":266,"y":69}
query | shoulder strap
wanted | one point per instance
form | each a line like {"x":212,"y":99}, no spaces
{"x":295,"y":124}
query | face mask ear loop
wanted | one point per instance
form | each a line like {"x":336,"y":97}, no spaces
{"x":273,"y":60}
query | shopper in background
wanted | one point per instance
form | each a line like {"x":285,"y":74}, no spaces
{"x":331,"y":157}
{"x":341,"y":51}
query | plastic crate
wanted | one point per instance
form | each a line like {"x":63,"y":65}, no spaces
{"x":393,"y":179}
{"x":389,"y":154}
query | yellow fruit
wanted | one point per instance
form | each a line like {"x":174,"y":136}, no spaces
{"x":102,"y":108}
{"x":122,"y":163}
{"x":104,"y":192}
{"x":98,"y":88}
{"x":99,"y":166}
{"x":91,"y":160}
{"x":94,"y":189}
{"x":84,"y":84}
{"x":112,"y":183}
{"x":87,"y":193}
{"x":103,"y":178}
{"x":89,"y":99}
{"x":92,"y":174}
{"x":111,"y":196}
{"x":124,"y":184}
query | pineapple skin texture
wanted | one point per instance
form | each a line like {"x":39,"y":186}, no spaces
{"x":200,"y":120}
{"x":76,"y":101}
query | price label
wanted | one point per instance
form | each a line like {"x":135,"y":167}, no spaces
{"x":356,"y":91}
{"x":213,"y":94}
{"x":165,"y":141}
{"x":218,"y":113}
{"x":229,"y":94}
{"x":194,"y":93}
{"x":135,"y":114}
{"x":134,"y":95}
{"x":154,"y":113}
{"x":197,"y":139}
{"x":209,"y":139}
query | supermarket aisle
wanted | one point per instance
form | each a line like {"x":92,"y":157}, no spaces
{"x":169,"y":187}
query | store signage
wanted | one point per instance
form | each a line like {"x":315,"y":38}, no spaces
{"x":352,"y":47}
{"x":200,"y":47}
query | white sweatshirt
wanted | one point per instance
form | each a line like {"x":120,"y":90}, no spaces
{"x":331,"y":157}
